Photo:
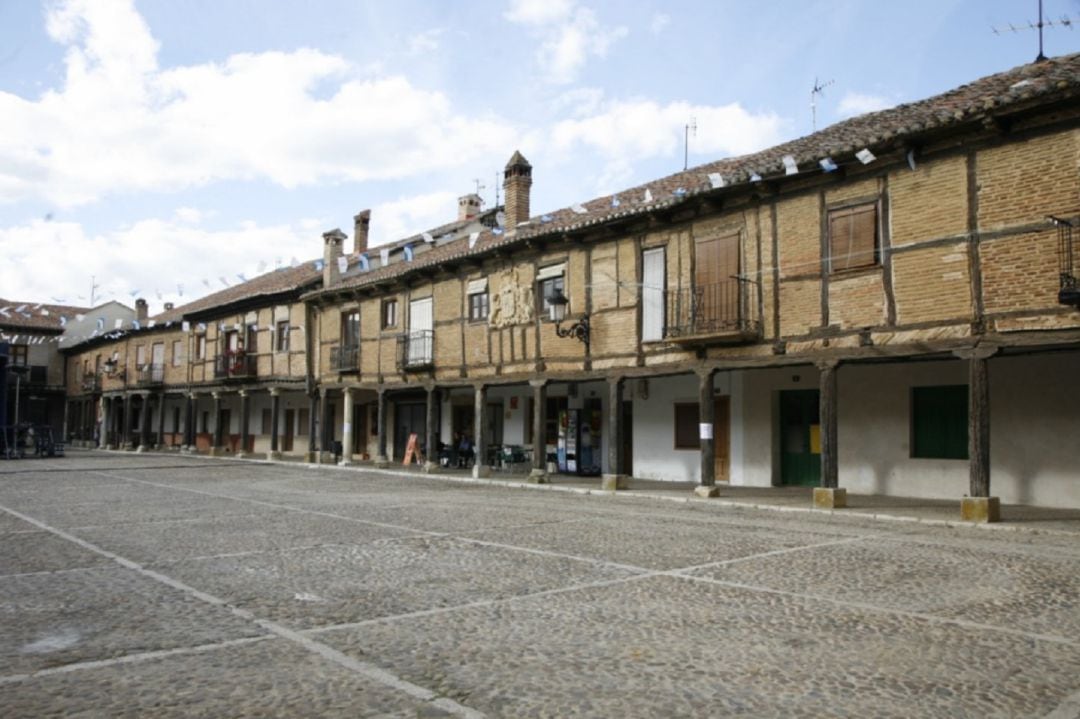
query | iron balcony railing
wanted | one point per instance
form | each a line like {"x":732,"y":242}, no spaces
{"x":416,"y":350}
{"x":91,"y":383}
{"x":236,"y":364}
{"x":1069,"y":293}
{"x":150,"y":374}
{"x":726,"y":309}
{"x":345,"y":358}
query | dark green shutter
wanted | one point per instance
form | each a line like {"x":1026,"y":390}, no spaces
{"x":939,"y":418}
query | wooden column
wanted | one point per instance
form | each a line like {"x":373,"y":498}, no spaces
{"x":189,"y":422}
{"x":326,"y":426}
{"x":480,"y":467}
{"x":313,"y":414}
{"x":218,"y":429}
{"x":106,"y":415}
{"x":381,"y":460}
{"x":538,"y":474}
{"x":160,"y":439}
{"x":431,"y":431}
{"x":827,"y":418}
{"x":347,"y":426}
{"x":615,"y":478}
{"x":144,"y":423}
{"x":980,"y":506}
{"x":275,"y":420}
{"x":245,"y":422}
{"x":706,"y":415}
{"x":126,"y":423}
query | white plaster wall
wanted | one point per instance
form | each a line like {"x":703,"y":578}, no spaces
{"x":654,"y":431}
{"x":755,"y":458}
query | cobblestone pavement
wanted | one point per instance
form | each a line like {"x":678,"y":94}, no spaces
{"x":155,"y":585}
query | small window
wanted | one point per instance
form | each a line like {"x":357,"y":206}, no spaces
{"x":19,"y":354}
{"x":939,"y":422}
{"x":478,"y":306}
{"x":350,"y":329}
{"x":548,"y":288}
{"x":853,"y":237}
{"x":282,"y":335}
{"x":200,"y":347}
{"x":686,"y":426}
{"x":389,"y":314}
{"x":140,"y":355}
{"x":177,"y":352}
{"x":252,"y":342}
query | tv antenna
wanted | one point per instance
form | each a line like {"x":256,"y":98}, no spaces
{"x":93,"y":289}
{"x":478,"y":185}
{"x":496,"y":189}
{"x":689,"y":131}
{"x":819,"y":89}
{"x":1063,"y":21}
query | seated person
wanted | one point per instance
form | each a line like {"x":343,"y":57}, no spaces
{"x":465,"y":451}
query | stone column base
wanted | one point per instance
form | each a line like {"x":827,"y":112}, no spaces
{"x":431,"y":467}
{"x":980,"y":509}
{"x":382,"y":462}
{"x":242,"y":455}
{"x":273,"y":456}
{"x":481,"y":471}
{"x":217,"y":452}
{"x":613,"y":482}
{"x":702,"y":491}
{"x":346,"y":462}
{"x":128,"y":446}
{"x":538,"y":476}
{"x":830,"y":498}
{"x":312,"y":457}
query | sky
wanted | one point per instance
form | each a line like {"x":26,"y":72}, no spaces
{"x":162,"y":149}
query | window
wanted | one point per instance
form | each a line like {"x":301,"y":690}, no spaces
{"x":282,"y":334}
{"x":853,"y":237}
{"x":939,"y":422}
{"x":252,"y":342}
{"x":478,"y":306}
{"x":686,"y":426}
{"x":177,"y":352}
{"x":350,"y":329}
{"x":548,"y":288}
{"x":140,"y":355}
{"x":200,"y":347}
{"x":389,"y":314}
{"x":652,"y":295}
{"x":19,"y":355}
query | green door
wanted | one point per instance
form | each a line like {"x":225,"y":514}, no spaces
{"x":800,"y":438}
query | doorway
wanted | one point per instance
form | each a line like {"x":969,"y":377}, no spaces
{"x":409,"y":418}
{"x":800,"y":438}
{"x":287,"y":437}
{"x":627,"y":449}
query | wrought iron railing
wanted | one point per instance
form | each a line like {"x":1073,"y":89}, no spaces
{"x":1069,"y":293}
{"x":91,"y":383}
{"x":723,"y":308}
{"x":345,"y":358}
{"x":235,"y":364}
{"x":416,"y":350}
{"x":150,"y":374}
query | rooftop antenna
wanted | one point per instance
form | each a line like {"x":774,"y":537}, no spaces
{"x":479,"y":186}
{"x":496,"y":189}
{"x":1064,"y":21}
{"x":93,"y":289}
{"x":689,"y":131}
{"x":819,"y":89}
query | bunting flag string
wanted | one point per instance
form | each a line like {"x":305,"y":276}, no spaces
{"x":648,"y":195}
{"x":827,"y":164}
{"x":716,"y":180}
{"x":790,"y":167}
{"x":384,"y":256}
{"x":865,"y":156}
{"x":407,"y":250}
{"x":365,"y":262}
{"x":473,"y":237}
{"x":428,"y":238}
{"x":615,"y":201}
{"x":579,"y":209}
{"x":342,"y":264}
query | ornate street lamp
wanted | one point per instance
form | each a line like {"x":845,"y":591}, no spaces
{"x":557,"y":304}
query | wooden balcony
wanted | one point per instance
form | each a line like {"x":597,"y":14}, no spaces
{"x":416,"y":351}
{"x":235,"y":365}
{"x":721,"y":313}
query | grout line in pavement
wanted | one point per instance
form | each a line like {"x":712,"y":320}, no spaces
{"x":365,"y":669}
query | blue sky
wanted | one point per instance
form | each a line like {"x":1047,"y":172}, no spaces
{"x":159,"y":146}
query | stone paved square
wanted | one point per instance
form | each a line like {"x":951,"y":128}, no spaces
{"x":158,"y":585}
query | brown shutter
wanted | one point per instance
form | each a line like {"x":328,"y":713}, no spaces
{"x":853,"y":237}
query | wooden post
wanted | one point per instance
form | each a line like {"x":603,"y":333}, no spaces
{"x":245,"y":429}
{"x":827,"y":418}
{"x":615,"y":479}
{"x":706,"y":415}
{"x":144,"y":422}
{"x":275,"y":413}
{"x":106,"y":417}
{"x":979,"y":506}
{"x":126,"y":423}
{"x":480,"y":466}
{"x":431,"y":431}
{"x":313,"y":409}
{"x":538,"y":473}
{"x":381,"y":460}
{"x":160,"y":439}
{"x":218,"y":428}
{"x":326,"y":427}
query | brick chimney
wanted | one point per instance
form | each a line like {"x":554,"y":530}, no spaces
{"x":362,"y":224}
{"x":142,"y":310}
{"x":468,"y":207}
{"x":333,"y":242}
{"x":169,"y":306}
{"x":517,"y":179}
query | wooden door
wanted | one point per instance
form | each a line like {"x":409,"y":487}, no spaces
{"x":800,"y":437}
{"x":627,"y":449}
{"x":722,"y":438}
{"x":290,"y":424}
{"x":716,"y":289}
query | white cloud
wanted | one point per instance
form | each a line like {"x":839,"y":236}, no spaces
{"x":854,"y":103}
{"x":119,"y":123}
{"x":571,"y":35}
{"x":405,"y":216}
{"x":539,"y":12}
{"x":625,"y":131}
{"x":425,"y":42}
{"x":180,"y":253}
{"x":659,"y":22}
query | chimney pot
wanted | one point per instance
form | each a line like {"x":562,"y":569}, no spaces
{"x":142,"y":309}
{"x":169,"y":306}
{"x":362,"y":223}
{"x":333,"y":242}
{"x":517,"y":180}
{"x":469,"y":206}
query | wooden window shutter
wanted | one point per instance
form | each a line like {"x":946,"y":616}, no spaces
{"x":853,"y":237}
